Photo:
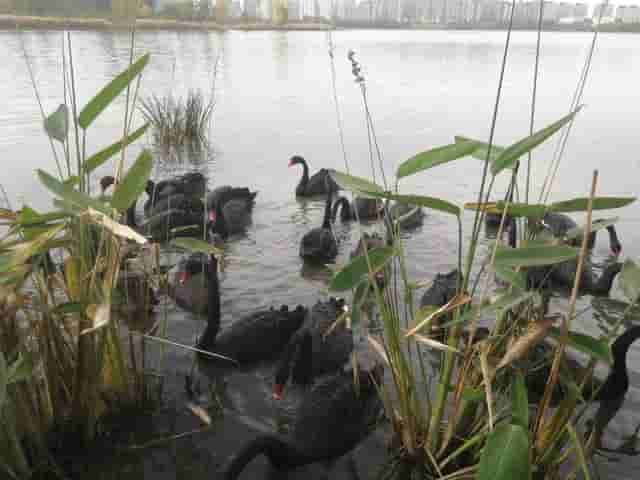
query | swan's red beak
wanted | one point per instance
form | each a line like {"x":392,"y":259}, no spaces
{"x":616,"y":251}
{"x":277,"y":391}
{"x":291,"y":164}
{"x":212,"y":216}
{"x":182,"y":277}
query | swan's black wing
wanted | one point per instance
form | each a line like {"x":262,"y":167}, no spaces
{"x":258,"y":336}
{"x":319,"y":244}
{"x":319,"y":182}
{"x":333,"y":418}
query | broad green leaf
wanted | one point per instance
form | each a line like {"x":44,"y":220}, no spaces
{"x":513,"y":152}
{"x":97,"y":159}
{"x":519,"y":402}
{"x":501,"y":304}
{"x":599,"y":203}
{"x":133,"y":183}
{"x":68,"y":308}
{"x":510,"y":276}
{"x":505,"y":455}
{"x":72,"y":181}
{"x":435,"y":156}
{"x":596,"y":225}
{"x":482,"y":151}
{"x":630,"y":281}
{"x":57,"y":124}
{"x":351,"y":274}
{"x":522,"y":209}
{"x":116,"y":86}
{"x":25,"y":250}
{"x":21,"y":369}
{"x":354,"y":184}
{"x":471,"y":395}
{"x":580,"y":452}
{"x":4,"y":380}
{"x":196,"y":245}
{"x":596,"y":348}
{"x":70,"y":196}
{"x":28,"y":217}
{"x":420,"y":201}
{"x":534,"y":256}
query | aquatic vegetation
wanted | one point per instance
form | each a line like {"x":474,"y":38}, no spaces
{"x":68,"y":362}
{"x":178,"y":122}
{"x":477,"y":421}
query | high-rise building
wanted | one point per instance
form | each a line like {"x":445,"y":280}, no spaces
{"x":580,"y":10}
{"x":605,"y":9}
{"x":251,"y":8}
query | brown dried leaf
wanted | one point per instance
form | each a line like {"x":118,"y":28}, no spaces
{"x":455,"y":302}
{"x":536,"y":332}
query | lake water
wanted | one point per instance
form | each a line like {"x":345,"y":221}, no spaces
{"x":274,"y":98}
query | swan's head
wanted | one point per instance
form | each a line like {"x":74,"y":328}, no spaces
{"x":150,"y":187}
{"x":616,"y":246}
{"x":106,"y":182}
{"x":295,"y":160}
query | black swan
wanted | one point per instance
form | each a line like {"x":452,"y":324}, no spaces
{"x":408,"y":216}
{"x":332,"y":419}
{"x":230,"y":210}
{"x":319,"y":184}
{"x":369,"y":242}
{"x":173,"y":223}
{"x":614,"y":389}
{"x":562,"y":275}
{"x":559,"y":224}
{"x":313,"y":350}
{"x":362,"y":209}
{"x":319,"y":244}
{"x":190,"y":184}
{"x":255,"y":337}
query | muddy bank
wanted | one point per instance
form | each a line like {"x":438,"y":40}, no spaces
{"x":27,"y":22}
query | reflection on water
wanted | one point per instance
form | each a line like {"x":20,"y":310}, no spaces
{"x":274,"y":99}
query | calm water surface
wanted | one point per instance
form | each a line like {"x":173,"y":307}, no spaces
{"x":274,"y":99}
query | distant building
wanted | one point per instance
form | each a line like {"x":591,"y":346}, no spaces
{"x":581,"y":11}
{"x":295,"y":10}
{"x":365,"y":11}
{"x":550,"y":12}
{"x":236,"y":10}
{"x":606,"y":9}
{"x":251,"y":8}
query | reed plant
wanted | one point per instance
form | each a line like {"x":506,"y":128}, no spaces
{"x":476,"y":420}
{"x":68,"y":364}
{"x":177,"y":123}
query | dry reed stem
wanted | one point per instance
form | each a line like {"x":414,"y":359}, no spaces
{"x":566,"y":321}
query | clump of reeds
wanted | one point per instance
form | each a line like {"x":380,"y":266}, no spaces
{"x":478,"y":421}
{"x":68,"y":362}
{"x":178,"y":122}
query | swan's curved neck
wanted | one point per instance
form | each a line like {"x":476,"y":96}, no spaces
{"x":326,"y":221}
{"x":213,"y":306}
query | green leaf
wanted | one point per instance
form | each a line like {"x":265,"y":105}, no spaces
{"x":534,"y":256}
{"x":359,"y":297}
{"x":502,"y":303}
{"x":519,"y":402}
{"x":435,"y":156}
{"x":354,"y":184}
{"x":596,"y":348}
{"x":98,"y":159}
{"x":599,"y":203}
{"x":29,"y":217}
{"x":133,"y":183}
{"x":421,"y":201}
{"x":469,"y":394}
{"x":510,"y":276}
{"x":513,"y":152}
{"x":21,"y":369}
{"x":57,"y":124}
{"x":482,"y":151}
{"x":630,"y":281}
{"x":102,"y":100}
{"x":522,"y":209}
{"x":505,"y":455}
{"x":70,"y":196}
{"x":196,"y":245}
{"x":596,"y":225}
{"x":69,"y":308}
{"x":351,"y":274}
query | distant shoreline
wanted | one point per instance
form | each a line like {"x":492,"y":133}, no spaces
{"x":31,"y":22}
